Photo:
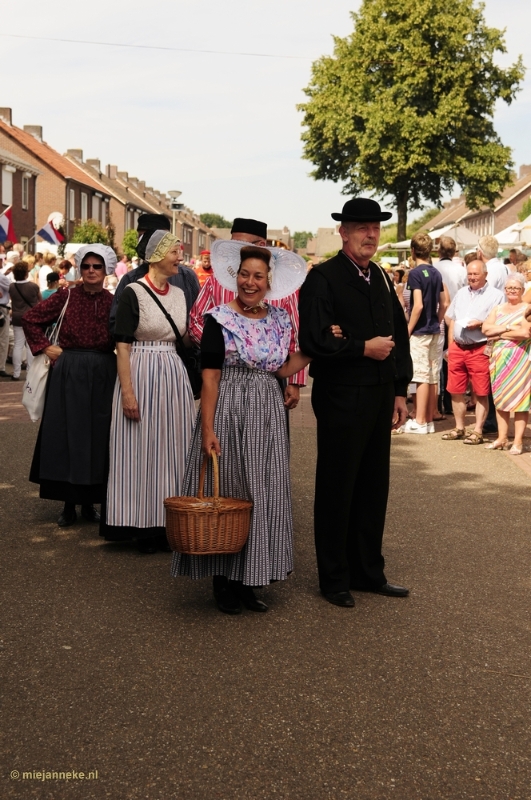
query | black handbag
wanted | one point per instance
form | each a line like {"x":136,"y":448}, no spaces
{"x":190,"y":356}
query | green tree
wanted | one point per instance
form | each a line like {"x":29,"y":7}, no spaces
{"x":526,"y":211}
{"x":300,"y":238}
{"x":404,"y":106}
{"x":90,"y":232}
{"x":215,"y":221}
{"x":129,"y":243}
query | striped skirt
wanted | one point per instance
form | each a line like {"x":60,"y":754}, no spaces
{"x":250,"y":424}
{"x":147,"y":459}
{"x":510,"y":375}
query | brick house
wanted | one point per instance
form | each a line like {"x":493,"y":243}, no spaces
{"x":125,"y":206}
{"x":17,"y":189}
{"x":61,"y":185}
{"x":488,"y":220}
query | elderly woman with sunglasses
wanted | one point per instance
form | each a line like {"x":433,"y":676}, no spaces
{"x":70,"y":459}
{"x":509,"y":334}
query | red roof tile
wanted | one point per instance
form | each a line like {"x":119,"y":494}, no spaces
{"x":50,"y":157}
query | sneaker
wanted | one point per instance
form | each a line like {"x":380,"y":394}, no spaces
{"x":431,"y":427}
{"x":412,"y":426}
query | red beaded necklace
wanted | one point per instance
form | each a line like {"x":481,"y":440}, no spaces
{"x":158,"y":291}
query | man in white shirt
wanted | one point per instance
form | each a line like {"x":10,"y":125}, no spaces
{"x":454,"y":278}
{"x":496,"y":269}
{"x":453,"y":274}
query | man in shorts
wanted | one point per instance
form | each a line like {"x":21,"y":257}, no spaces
{"x":467,"y":360}
{"x":428,"y":306}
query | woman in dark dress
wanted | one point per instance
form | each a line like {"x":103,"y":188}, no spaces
{"x":70,"y":459}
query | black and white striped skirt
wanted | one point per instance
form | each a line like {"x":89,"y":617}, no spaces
{"x":147,"y":458}
{"x":250,"y":424}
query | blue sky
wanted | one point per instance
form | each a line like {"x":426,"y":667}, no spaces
{"x":221,"y":128}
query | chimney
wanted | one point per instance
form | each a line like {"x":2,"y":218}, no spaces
{"x":142,"y":185}
{"x":94,"y":162}
{"x":77,"y":154}
{"x":34,"y":130}
{"x":5,"y":115}
{"x":124,"y":176}
{"x":111,"y":171}
{"x":525,"y":169}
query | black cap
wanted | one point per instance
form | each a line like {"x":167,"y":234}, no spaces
{"x":153,"y":222}
{"x":362,"y":209}
{"x":252,"y":226}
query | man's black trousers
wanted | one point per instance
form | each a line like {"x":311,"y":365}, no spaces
{"x":352,"y":483}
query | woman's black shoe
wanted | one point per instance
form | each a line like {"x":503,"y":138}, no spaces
{"x":68,"y":516}
{"x":90,"y":514}
{"x":247,"y":596}
{"x":147,"y":546}
{"x":162,"y":544}
{"x":225,"y":598}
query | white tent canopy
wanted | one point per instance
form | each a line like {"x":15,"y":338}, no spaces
{"x":463,"y":238}
{"x":519,"y":233}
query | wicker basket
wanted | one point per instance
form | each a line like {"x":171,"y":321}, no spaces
{"x":200,"y":526}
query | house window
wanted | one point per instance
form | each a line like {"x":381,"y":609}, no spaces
{"x":187,"y":235}
{"x":25,"y":192}
{"x":104,"y":208}
{"x":84,"y":206}
{"x":202,"y":241}
{"x":7,"y":185}
{"x":96,"y":208}
{"x":71,"y":205}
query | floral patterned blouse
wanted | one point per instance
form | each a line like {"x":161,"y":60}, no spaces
{"x":255,"y":343}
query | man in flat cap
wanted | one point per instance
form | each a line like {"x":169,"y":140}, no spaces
{"x":358,"y":396}
{"x":186,"y":279}
{"x":213,"y":294}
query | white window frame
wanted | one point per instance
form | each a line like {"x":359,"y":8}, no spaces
{"x":84,"y":206}
{"x":7,"y":184}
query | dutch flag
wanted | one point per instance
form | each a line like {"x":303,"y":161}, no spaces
{"x":7,"y":231}
{"x":50,"y":235}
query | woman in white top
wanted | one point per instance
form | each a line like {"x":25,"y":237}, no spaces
{"x":153,"y":407}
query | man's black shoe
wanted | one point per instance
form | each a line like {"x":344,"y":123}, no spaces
{"x":227,"y":601}
{"x":389,"y":589}
{"x":67,"y":518}
{"x":90,"y":514}
{"x":490,"y":427}
{"x":343,"y":599}
{"x":3,"y":374}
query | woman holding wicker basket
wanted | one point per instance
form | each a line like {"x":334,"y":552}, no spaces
{"x":246,"y":346}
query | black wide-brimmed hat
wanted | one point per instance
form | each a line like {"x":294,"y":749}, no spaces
{"x":362,"y":209}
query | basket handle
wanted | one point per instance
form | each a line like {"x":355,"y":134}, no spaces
{"x":202,"y":475}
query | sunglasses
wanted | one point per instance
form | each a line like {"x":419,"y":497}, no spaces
{"x":94,"y":266}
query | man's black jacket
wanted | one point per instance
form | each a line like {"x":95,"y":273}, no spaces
{"x":334,"y":293}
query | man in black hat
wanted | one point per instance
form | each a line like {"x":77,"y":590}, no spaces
{"x":186,"y":279}
{"x":213,"y":294}
{"x":358,"y":396}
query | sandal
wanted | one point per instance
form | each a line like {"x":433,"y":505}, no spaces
{"x":515,"y":451}
{"x":498,"y":444}
{"x":439,"y":417}
{"x":455,"y":433}
{"x":473,"y":438}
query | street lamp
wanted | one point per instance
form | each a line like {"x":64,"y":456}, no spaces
{"x":175,"y":206}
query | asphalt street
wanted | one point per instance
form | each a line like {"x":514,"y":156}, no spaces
{"x":112,"y":667}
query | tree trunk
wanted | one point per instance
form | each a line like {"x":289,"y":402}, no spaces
{"x":401,"y":208}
